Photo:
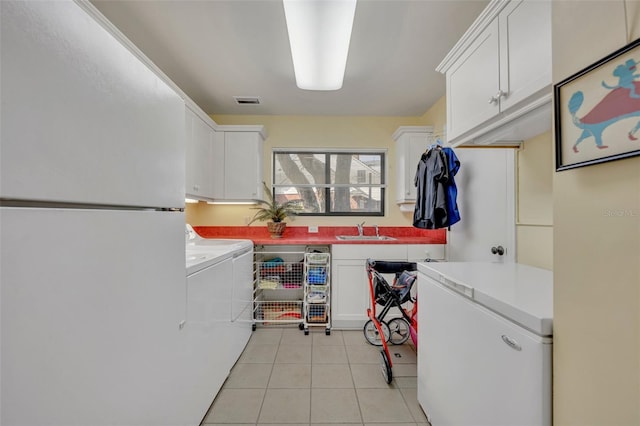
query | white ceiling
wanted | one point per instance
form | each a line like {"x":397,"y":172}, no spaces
{"x":216,"y":49}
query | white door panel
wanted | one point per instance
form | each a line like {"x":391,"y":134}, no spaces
{"x":486,"y":193}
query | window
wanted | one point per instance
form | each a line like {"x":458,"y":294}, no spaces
{"x":331,"y":182}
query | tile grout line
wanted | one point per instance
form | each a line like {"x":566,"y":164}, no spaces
{"x":264,"y":395}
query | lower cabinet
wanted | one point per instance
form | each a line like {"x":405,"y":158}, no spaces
{"x":350,"y":292}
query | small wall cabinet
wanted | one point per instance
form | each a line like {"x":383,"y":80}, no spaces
{"x":241,"y":163}
{"x":199,"y":154}
{"x":223,"y":163}
{"x":411,"y":142}
{"x":500,"y":70}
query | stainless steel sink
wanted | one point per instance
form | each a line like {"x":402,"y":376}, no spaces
{"x":364,"y":238}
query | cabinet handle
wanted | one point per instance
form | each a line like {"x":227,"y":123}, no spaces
{"x":498,"y":250}
{"x":512,"y":343}
{"x":496,"y":98}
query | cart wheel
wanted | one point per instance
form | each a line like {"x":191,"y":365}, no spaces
{"x":398,"y":331}
{"x":372,"y":335}
{"x":327,"y":332}
{"x":386,"y":367}
{"x":253,"y":327}
{"x":306,"y":331}
{"x":301,"y":326}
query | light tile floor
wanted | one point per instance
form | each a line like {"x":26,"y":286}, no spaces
{"x":286,"y":378}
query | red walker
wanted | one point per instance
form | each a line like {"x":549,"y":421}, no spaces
{"x":397,"y":330}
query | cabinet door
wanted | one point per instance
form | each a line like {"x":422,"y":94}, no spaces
{"x":421,"y":252}
{"x":472,"y":82}
{"x":350,"y":294}
{"x":486,"y":200}
{"x":217,"y":166}
{"x":525,"y":50}
{"x":350,"y":284}
{"x":243,"y":166}
{"x":199,"y":155}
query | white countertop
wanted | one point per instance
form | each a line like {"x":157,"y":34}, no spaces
{"x":521,"y":293}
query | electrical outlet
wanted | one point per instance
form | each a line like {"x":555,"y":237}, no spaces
{"x":312,"y":229}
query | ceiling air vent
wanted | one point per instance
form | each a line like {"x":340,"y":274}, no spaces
{"x":247,"y":100}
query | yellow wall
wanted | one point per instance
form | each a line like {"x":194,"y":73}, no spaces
{"x":596,"y":216}
{"x":315,"y":132}
{"x":436,"y":116}
{"x":534,"y":221}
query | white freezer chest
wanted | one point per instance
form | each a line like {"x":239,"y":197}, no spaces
{"x":485,"y":343}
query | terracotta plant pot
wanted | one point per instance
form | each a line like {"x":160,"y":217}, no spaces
{"x":276,"y":229}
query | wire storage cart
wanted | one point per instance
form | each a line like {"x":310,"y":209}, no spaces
{"x":278,"y":288}
{"x":317,"y":289}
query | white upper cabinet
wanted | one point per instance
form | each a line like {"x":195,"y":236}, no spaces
{"x":218,"y":165}
{"x":223,"y":163}
{"x":241,"y":163}
{"x":199,"y":157}
{"x":411,"y":142}
{"x":472,"y":82}
{"x":525,"y":50}
{"x":499,"y":71}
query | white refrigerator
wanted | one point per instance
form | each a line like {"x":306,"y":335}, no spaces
{"x":91,"y":226}
{"x":485,"y":344}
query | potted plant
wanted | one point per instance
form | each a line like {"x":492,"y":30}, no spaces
{"x":275,"y":213}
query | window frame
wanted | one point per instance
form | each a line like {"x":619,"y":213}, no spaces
{"x":328,"y":187}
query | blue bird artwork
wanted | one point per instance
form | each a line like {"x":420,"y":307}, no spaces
{"x":622,"y":101}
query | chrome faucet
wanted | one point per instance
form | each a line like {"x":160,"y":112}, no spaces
{"x":360,"y":229}
{"x":377,"y":232}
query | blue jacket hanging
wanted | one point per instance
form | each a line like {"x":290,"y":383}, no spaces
{"x":453,"y":165}
{"x":436,"y":204}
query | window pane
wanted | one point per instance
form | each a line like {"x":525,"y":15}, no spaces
{"x":299,"y":168}
{"x":331,"y":183}
{"x":356,"y":200}
{"x":356,"y":168}
{"x":312,"y":198}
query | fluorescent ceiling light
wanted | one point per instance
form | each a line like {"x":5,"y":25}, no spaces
{"x":319,"y":35}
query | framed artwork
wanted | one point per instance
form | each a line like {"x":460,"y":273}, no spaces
{"x":597,"y":111}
